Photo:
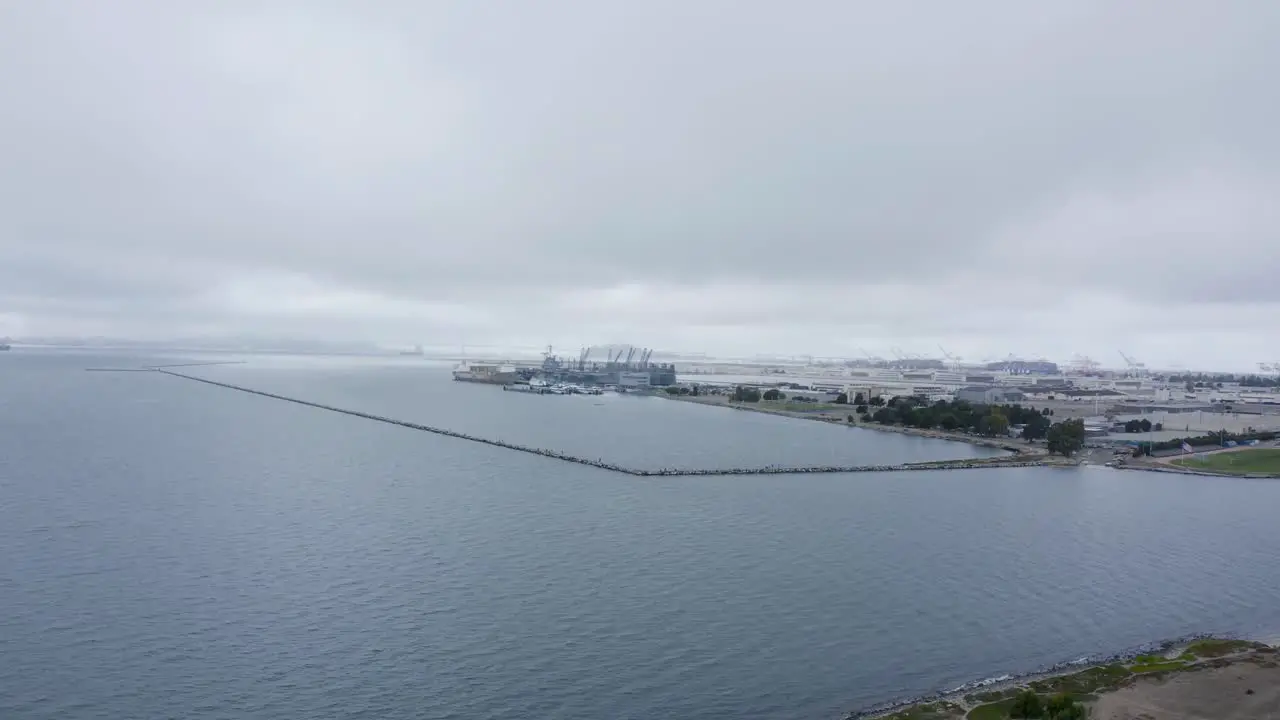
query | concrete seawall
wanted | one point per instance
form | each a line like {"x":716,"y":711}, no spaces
{"x":603,"y":465}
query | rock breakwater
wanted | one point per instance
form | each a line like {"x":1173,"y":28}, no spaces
{"x":613,"y":467}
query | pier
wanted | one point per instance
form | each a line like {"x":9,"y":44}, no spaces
{"x":1002,"y":462}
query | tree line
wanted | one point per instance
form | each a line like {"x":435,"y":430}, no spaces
{"x":1064,"y":438}
{"x":1141,"y":426}
{"x":958,"y":415}
{"x":1200,"y":380}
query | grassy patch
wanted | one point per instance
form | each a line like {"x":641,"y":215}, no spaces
{"x":991,"y":711}
{"x":941,"y":710}
{"x":1217,"y":648}
{"x":804,"y":407}
{"x":990,"y":696}
{"x":1238,"y":462}
{"x":1158,"y":666}
{"x":1083,"y":682}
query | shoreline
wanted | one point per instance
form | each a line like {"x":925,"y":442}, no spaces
{"x":1099,"y":675}
{"x":1009,"y":445}
{"x":1015,"y":448}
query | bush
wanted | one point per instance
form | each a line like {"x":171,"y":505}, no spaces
{"x":1066,"y":438}
{"x":1026,"y":705}
{"x":885,"y":416}
{"x":1062,"y":707}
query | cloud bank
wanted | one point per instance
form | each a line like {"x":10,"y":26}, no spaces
{"x":727,"y":177}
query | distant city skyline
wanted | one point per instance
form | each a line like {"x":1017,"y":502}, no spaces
{"x":528,"y":351}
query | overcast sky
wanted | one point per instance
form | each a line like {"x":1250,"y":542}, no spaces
{"x":725,"y":176}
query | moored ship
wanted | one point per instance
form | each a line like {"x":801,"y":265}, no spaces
{"x":493,"y":373}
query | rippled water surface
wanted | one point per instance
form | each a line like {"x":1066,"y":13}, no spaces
{"x":170,"y":549}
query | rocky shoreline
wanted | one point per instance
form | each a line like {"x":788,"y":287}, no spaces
{"x":1130,"y":666}
{"x":600,"y":463}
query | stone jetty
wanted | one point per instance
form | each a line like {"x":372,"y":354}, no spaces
{"x":612,"y":467}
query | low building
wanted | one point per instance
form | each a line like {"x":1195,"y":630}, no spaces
{"x":1043,"y":392}
{"x":979,"y":395}
{"x":634,"y":379}
{"x":931,"y":393}
{"x":1100,"y":393}
{"x":918,"y":376}
{"x":867,"y":391}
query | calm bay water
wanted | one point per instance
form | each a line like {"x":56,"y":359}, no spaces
{"x":176,"y":550}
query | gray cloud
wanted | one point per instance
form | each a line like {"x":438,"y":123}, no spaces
{"x":723,"y":176}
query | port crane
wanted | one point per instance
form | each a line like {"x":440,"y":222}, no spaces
{"x":874,"y":360}
{"x":1084,"y":363}
{"x":1135,"y":367}
{"x":953,"y":359}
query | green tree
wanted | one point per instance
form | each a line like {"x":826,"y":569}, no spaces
{"x":949,"y":422}
{"x":1062,"y":707}
{"x":1026,"y":705}
{"x":885,"y":416}
{"x":858,"y":399}
{"x":1036,"y":427}
{"x":862,"y":408}
{"x":673,"y":390}
{"x":865,"y":417}
{"x":1066,"y":438}
{"x":876,"y":401}
{"x":842,"y":399}
{"x":994,"y":424}
{"x":773,"y":394}
{"x":745,"y":394}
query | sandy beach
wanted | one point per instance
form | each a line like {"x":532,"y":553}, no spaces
{"x":1237,"y":691}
